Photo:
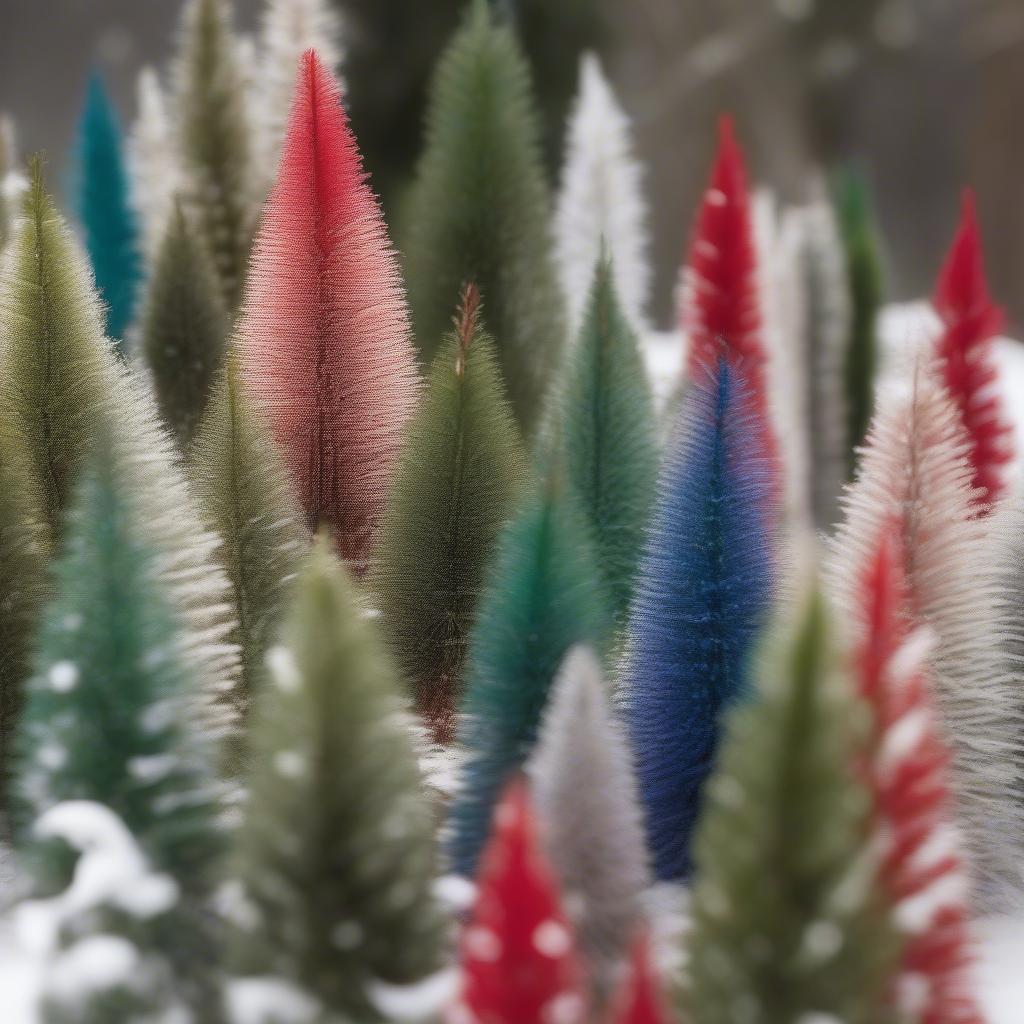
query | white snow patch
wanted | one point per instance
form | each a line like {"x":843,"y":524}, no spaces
{"x":63,"y":676}
{"x":269,"y":1000}
{"x":283,"y":668}
{"x":91,"y":965}
{"x":455,"y":893}
{"x":417,"y":1002}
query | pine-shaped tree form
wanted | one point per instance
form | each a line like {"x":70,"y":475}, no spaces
{"x":346,"y":901}
{"x":290,"y":28}
{"x":12,"y":178}
{"x":23,"y":585}
{"x":914,"y":468}
{"x":216,"y":141}
{"x":184,"y":327}
{"x":970,"y":322}
{"x":639,"y":1000}
{"x":864,"y":274}
{"x":784,"y":803}
{"x":324,"y":333}
{"x":461,"y":472}
{"x":608,"y":435}
{"x":721,"y":305}
{"x":106,"y":718}
{"x":153,"y":162}
{"x":589,"y":815}
{"x":906,"y":767}
{"x":825,"y":332}
{"x":479,"y":211}
{"x":703,"y":592}
{"x":542,"y":597}
{"x":601,"y":207}
{"x":517,"y":952}
{"x":241,"y":481}
{"x":105,"y":209}
{"x":60,"y":385}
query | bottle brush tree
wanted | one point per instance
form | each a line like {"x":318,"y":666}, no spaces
{"x":184,"y":326}
{"x":324,"y":335}
{"x":479,"y":211}
{"x":970,"y":322}
{"x":542,"y":597}
{"x":240,"y":479}
{"x":107,"y":721}
{"x":518,"y":957}
{"x":606,"y":428}
{"x":335,"y":858}
{"x":106,"y":211}
{"x":785,"y":805}
{"x":703,"y":593}
{"x":461,"y":472}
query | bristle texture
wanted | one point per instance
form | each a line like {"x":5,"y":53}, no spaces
{"x":324,"y":334}
{"x":601,"y":210}
{"x":705,"y":585}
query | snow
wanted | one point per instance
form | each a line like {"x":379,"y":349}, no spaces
{"x":268,"y":1000}
{"x":92,"y":964}
{"x":63,"y":676}
{"x":420,"y":1001}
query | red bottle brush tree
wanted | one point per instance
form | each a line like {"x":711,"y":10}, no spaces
{"x":721,"y":311}
{"x":970,"y":322}
{"x":517,"y":952}
{"x":640,"y":1001}
{"x":921,"y":871}
{"x":324,"y":328}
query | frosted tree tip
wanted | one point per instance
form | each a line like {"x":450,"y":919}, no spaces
{"x":466,"y":322}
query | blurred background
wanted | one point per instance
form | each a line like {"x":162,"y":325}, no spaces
{"x":924,"y":95}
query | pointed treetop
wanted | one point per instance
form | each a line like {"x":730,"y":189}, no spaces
{"x":640,"y":1001}
{"x":518,"y":955}
{"x":970,"y":322}
{"x":466,"y":321}
{"x":324,"y":331}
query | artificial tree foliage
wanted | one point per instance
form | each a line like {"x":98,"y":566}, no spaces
{"x":107,"y":720}
{"x":216,"y":141}
{"x":240,"y":479}
{"x":105,"y":209}
{"x":542,"y":597}
{"x":335,"y":856}
{"x":460,"y":474}
{"x":608,"y":434}
{"x":184,"y":326}
{"x":703,"y":594}
{"x":865,"y":281}
{"x":479,"y":211}
{"x":788,"y":923}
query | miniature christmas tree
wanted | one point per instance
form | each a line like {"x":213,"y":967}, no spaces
{"x":721,"y":311}
{"x":518,"y":961}
{"x":323,"y":334}
{"x":216,"y":142}
{"x":184,"y":327}
{"x":922,"y":873}
{"x":783,"y":804}
{"x":601,"y":208}
{"x":864,"y":274}
{"x":106,"y":721}
{"x":61,"y":385}
{"x":461,"y":472}
{"x":105,"y":210}
{"x":589,"y":815}
{"x":241,"y":481}
{"x":542,"y":597}
{"x":639,"y":1001}
{"x":479,"y":211}
{"x":703,"y":593}
{"x":346,"y":902}
{"x":970,"y":322}
{"x":607,"y":431}
{"x":914,"y":468}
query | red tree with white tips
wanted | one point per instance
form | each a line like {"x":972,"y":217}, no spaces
{"x":970,"y":322}
{"x":517,"y":951}
{"x":324,"y":330}
{"x":921,"y":871}
{"x":640,"y":1000}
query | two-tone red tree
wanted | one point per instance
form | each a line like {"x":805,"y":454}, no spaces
{"x":518,"y":956}
{"x":324,"y":329}
{"x":721,"y":307}
{"x":922,"y":873}
{"x":970,"y":323}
